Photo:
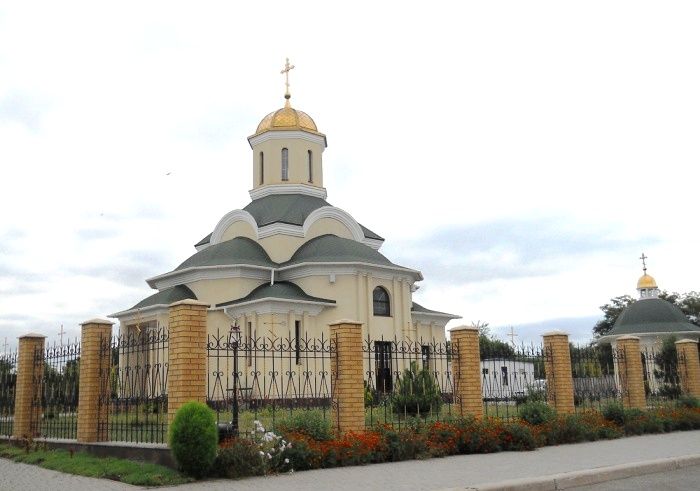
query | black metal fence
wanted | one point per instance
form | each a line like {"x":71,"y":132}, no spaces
{"x":59,"y":382}
{"x":8,"y":383}
{"x":512,"y":375}
{"x":267,"y":379}
{"x":408,"y":379}
{"x":593,"y":371}
{"x":661,"y":371}
{"x":137,"y":375}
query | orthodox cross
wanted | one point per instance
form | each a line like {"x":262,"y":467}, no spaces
{"x":512,"y":336}
{"x":287,"y":68}
{"x":644,"y":262}
{"x":61,"y":333}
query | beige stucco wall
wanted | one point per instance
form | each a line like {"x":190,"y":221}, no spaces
{"x":224,"y":290}
{"x":328,"y":226}
{"x":281,"y":247}
{"x":298,"y":162}
{"x":239,"y":229}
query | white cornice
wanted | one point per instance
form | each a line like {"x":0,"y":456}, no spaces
{"x":434,"y":317}
{"x":337,"y":214}
{"x":189,"y":275}
{"x":271,"y":189}
{"x":280,"y":228}
{"x":229,"y":219}
{"x":375,"y":244}
{"x":274,"y":306}
{"x":145,"y":313}
{"x":304,"y":270}
{"x":287,"y":135}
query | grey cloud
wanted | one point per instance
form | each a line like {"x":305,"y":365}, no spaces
{"x":128,"y":268}
{"x":537,"y":248}
{"x":578,"y":328}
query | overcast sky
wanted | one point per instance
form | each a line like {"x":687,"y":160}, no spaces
{"x":522,"y":155}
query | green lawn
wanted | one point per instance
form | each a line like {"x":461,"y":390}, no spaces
{"x":83,"y":464}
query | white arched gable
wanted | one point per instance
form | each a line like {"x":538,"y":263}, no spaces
{"x":229,"y":219}
{"x":337,"y":214}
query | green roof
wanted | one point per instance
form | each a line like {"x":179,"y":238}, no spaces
{"x":166,"y":297}
{"x":282,"y":289}
{"x":422,"y":310}
{"x":292,"y":209}
{"x":240,"y":250}
{"x":651,"y":315}
{"x":333,"y":249}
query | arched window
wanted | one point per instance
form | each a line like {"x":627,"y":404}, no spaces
{"x":285,"y":164}
{"x":311,"y":166}
{"x":380,"y":300}
{"x":262,"y":168}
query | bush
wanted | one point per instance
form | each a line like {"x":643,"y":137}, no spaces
{"x":688,"y":401}
{"x":311,"y":423}
{"x":518,"y":437}
{"x":537,"y":412}
{"x":614,"y":412}
{"x":416,"y":392}
{"x":193,"y":438}
{"x":239,"y":458}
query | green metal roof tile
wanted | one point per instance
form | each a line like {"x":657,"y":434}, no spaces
{"x":205,"y":240}
{"x":166,"y":297}
{"x":651,"y":315}
{"x":331,"y":248}
{"x":240,"y":250}
{"x":415,"y":307}
{"x":281,"y":290}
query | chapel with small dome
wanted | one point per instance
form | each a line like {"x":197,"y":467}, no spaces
{"x":650,"y":318}
{"x":289,"y":262}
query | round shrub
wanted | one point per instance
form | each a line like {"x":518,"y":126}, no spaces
{"x":193,"y":438}
{"x":614,"y":412}
{"x":537,"y":412}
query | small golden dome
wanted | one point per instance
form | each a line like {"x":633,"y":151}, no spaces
{"x":287,"y":118}
{"x":646,"y":281}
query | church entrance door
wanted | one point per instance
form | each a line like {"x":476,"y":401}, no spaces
{"x":382,"y":365}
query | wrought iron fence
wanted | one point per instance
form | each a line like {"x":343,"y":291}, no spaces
{"x":267,"y":379}
{"x":661,"y":372}
{"x":8,"y":382}
{"x":408,"y":379}
{"x":137,"y":375}
{"x":593,"y":371}
{"x":59,"y":382}
{"x":512,"y":375}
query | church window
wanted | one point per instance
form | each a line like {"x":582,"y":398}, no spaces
{"x":285,"y":164}
{"x":380,"y":298}
{"x":262,"y":168}
{"x":311,"y":166}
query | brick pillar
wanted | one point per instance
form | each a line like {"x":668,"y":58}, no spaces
{"x":30,"y":368}
{"x":187,"y":354}
{"x":689,"y":366}
{"x":467,"y":371}
{"x":93,"y":394}
{"x":347,"y":379}
{"x":630,"y":372}
{"x":557,"y":367}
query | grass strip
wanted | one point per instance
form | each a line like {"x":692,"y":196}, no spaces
{"x":84,"y":464}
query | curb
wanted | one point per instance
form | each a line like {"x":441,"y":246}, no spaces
{"x":586,"y":477}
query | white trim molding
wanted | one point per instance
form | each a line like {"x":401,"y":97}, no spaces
{"x":189,"y":275}
{"x":337,"y":214}
{"x":229,"y":219}
{"x":279,"y":228}
{"x":319,"y":139}
{"x":375,"y":244}
{"x":274,"y":306}
{"x":140,"y":314}
{"x":272,"y":189}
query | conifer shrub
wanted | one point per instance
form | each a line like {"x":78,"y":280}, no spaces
{"x":416,"y":393}
{"x":193,"y":439}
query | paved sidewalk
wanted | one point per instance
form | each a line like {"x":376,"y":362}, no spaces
{"x":452,"y":472}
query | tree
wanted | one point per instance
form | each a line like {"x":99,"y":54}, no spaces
{"x":490,"y":346}
{"x":689,"y":303}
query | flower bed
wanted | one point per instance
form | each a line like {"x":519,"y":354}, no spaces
{"x":297,"y":450}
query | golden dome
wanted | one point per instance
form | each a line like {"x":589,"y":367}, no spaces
{"x":646,"y":281}
{"x":287,"y":118}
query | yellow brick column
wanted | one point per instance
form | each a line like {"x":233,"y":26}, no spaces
{"x":466,"y":367}
{"x":30,"y":367}
{"x":347,"y":378}
{"x":187,"y":354}
{"x":689,"y":366}
{"x":630,"y":372}
{"x":93,"y":405}
{"x":557,"y":367}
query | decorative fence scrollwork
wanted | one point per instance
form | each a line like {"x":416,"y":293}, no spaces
{"x":8,"y":385}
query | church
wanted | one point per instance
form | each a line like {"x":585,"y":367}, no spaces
{"x":289,"y":263}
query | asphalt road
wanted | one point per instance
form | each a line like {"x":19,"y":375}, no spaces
{"x":687,"y":479}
